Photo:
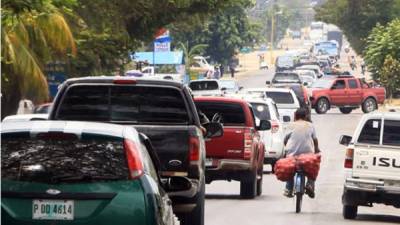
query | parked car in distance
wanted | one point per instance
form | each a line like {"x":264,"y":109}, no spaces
{"x":25,"y":117}
{"x":372,"y":163}
{"x":347,"y":93}
{"x":164,"y":111}
{"x":81,"y":171}
{"x":229,"y":86}
{"x":42,"y":108}
{"x":239,"y":153}
{"x":206,"y":87}
{"x":285,"y":99}
{"x":266,"y":109}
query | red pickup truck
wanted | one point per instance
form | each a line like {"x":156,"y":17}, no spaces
{"x":239,"y":153}
{"x":347,"y":93}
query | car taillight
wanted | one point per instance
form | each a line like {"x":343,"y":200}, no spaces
{"x":135,"y":165}
{"x":305,"y":95}
{"x":274,"y":126}
{"x":248,"y":142}
{"x":194,"y":150}
{"x":348,"y":161}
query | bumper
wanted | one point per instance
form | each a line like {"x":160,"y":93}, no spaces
{"x":230,"y":169}
{"x":366,"y":192}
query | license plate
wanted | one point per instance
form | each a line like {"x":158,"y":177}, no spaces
{"x":53,"y":210}
{"x":209,"y":162}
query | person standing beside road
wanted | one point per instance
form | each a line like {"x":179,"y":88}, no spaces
{"x":301,"y":140}
{"x":232,"y":65}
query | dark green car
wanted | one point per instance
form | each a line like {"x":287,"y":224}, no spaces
{"x":57,"y":172}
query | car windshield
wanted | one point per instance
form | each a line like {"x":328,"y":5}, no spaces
{"x":54,"y":160}
{"x":231,"y":114}
{"x":261,"y":111}
{"x":123,"y":104}
{"x":280,"y":97}
{"x":323,"y":83}
{"x":228,"y":84}
{"x":285,"y":77}
{"x":204,"y":85}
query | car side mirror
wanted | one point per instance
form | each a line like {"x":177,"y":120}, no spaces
{"x":345,"y":140}
{"x":240,"y":88}
{"x":267,"y":82}
{"x":286,"y":118}
{"x":213,"y":129}
{"x":174,"y":184}
{"x":264,"y":125}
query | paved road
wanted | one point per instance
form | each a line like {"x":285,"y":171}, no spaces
{"x":224,"y":206}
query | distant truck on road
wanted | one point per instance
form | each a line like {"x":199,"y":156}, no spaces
{"x":336,"y":35}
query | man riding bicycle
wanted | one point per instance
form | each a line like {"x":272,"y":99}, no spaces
{"x":301,"y":140}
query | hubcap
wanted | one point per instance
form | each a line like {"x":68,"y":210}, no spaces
{"x":323,"y":106}
{"x":370,"y":106}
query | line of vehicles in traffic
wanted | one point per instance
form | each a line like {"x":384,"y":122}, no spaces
{"x":111,"y":141}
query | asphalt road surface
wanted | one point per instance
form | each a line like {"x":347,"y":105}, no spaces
{"x":224,"y":206}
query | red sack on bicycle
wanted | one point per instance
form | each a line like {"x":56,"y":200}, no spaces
{"x":310,"y":164}
{"x":285,"y":168}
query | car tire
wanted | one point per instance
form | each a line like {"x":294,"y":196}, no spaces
{"x":248,"y":188}
{"x":345,"y":110}
{"x":260,"y":183}
{"x":369,"y":105}
{"x":350,"y":211}
{"x":273,"y":167}
{"x":196,"y":216}
{"x":322,"y":106}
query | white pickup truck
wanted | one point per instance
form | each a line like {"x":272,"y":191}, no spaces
{"x":372,"y":163}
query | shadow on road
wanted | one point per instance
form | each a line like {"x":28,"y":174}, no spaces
{"x":379,"y":218}
{"x":223,"y":196}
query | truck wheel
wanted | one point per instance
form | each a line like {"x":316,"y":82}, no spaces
{"x":322,"y":106}
{"x":369,"y":105}
{"x":345,"y":110}
{"x":248,"y":188}
{"x":196,"y":217}
{"x":349,"y":211}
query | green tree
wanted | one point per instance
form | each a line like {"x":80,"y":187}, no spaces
{"x":358,"y":17}
{"x":383,"y":42}
{"x":224,"y":33}
{"x":390,"y":75}
{"x":33,"y":33}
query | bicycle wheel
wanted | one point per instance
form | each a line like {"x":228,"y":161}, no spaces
{"x":299,"y":201}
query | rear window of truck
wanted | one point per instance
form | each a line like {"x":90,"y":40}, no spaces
{"x":204,"y":85}
{"x":391,"y":133}
{"x":231,"y":114}
{"x":123,"y":104}
{"x":370,"y":133}
{"x":55,"y":160}
{"x":261,"y":111}
{"x":280,"y":97}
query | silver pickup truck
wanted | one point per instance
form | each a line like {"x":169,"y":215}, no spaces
{"x":372,"y":163}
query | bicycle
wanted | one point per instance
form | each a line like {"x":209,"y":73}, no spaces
{"x":299,"y":187}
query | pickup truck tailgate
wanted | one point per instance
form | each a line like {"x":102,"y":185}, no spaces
{"x":229,"y":146}
{"x":171,"y":144}
{"x":370,"y":162}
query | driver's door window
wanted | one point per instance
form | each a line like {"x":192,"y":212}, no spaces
{"x":339,"y":84}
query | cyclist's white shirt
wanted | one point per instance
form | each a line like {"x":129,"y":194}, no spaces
{"x":301,"y":139}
